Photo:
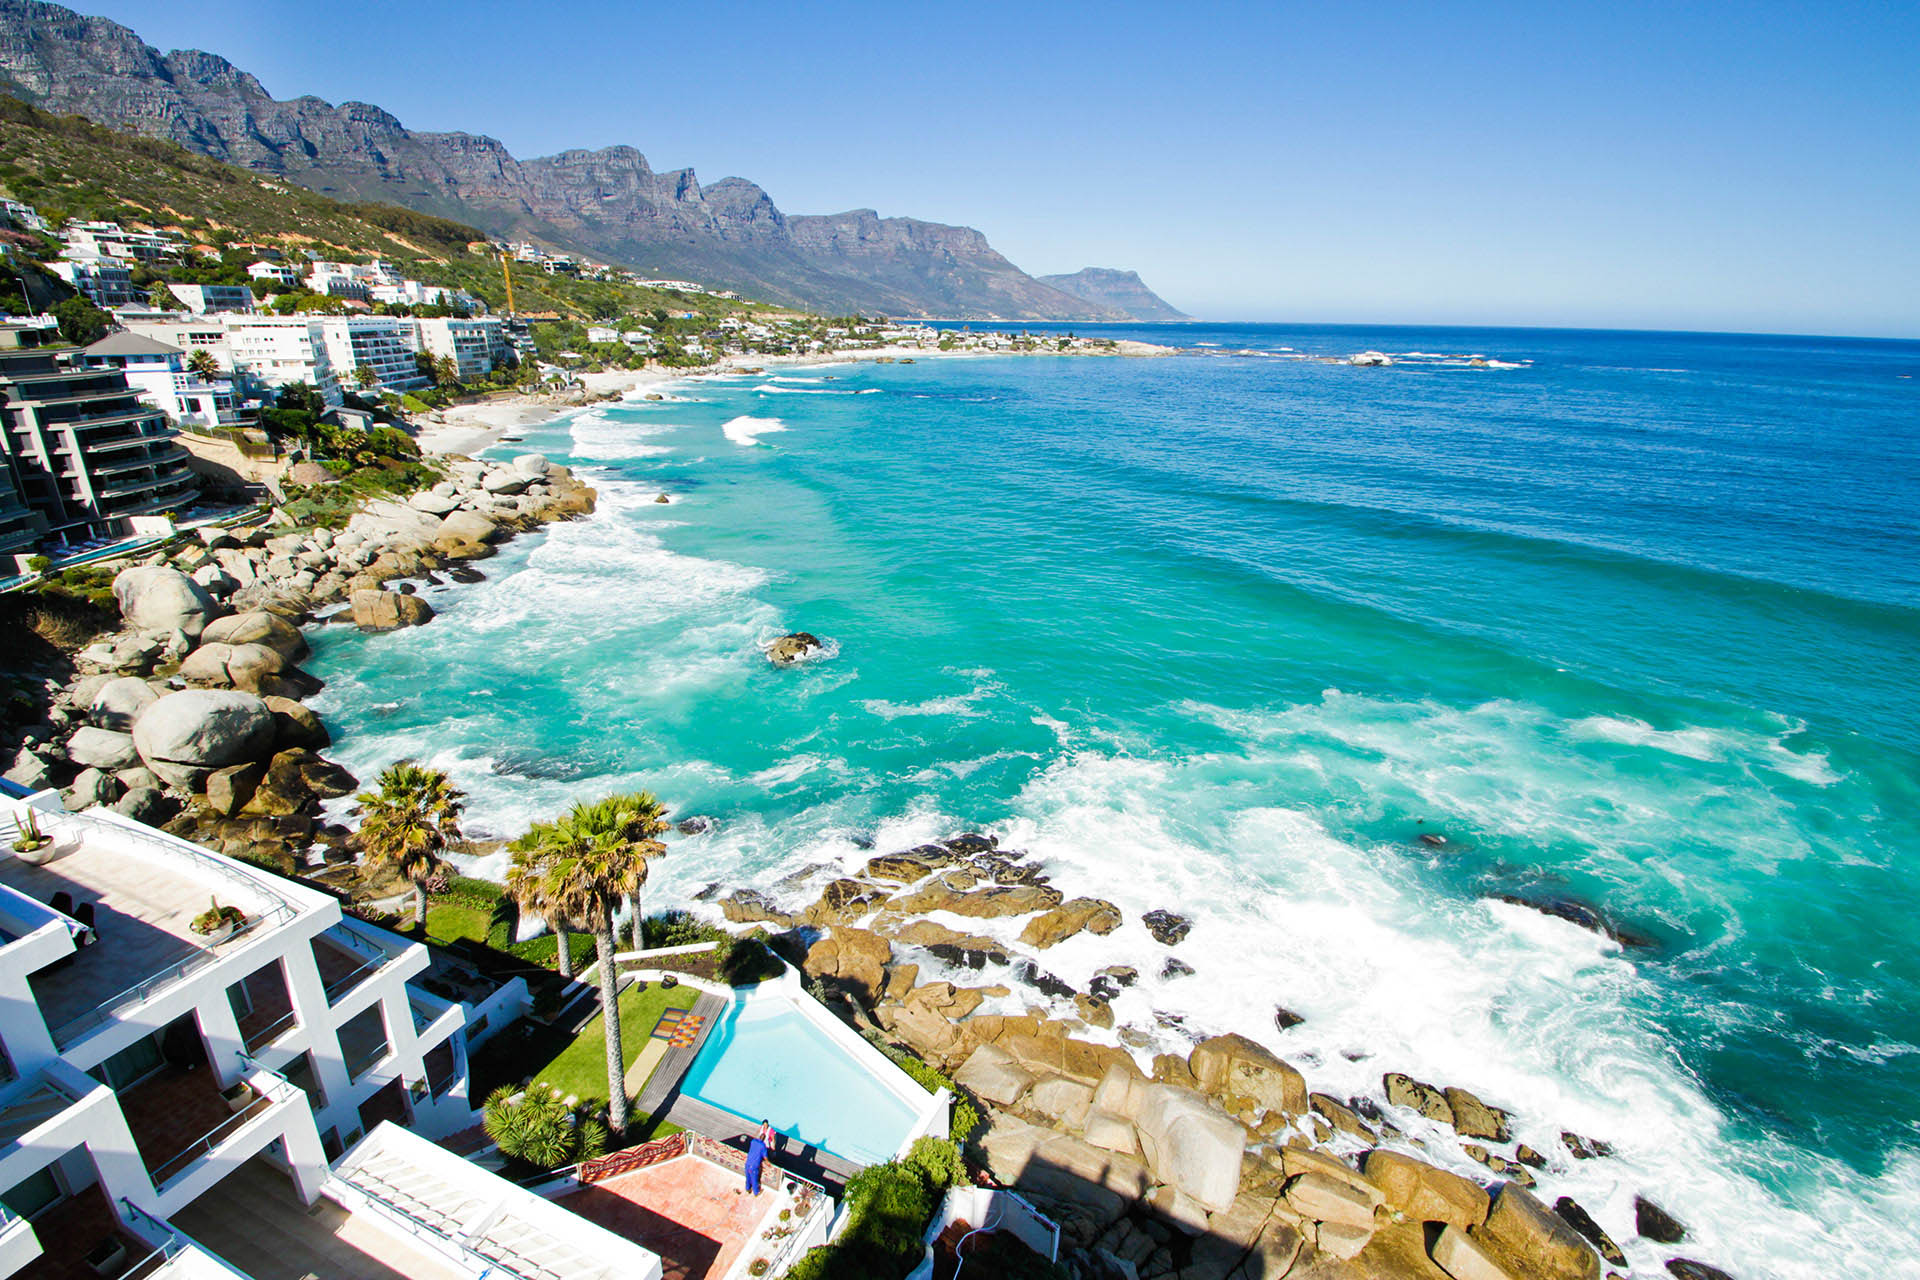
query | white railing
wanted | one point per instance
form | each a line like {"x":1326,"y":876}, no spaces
{"x":269,"y":1088}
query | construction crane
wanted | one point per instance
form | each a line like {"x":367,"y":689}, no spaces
{"x":506,"y":269}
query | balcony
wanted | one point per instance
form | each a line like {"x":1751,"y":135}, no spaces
{"x":351,"y":952}
{"x":181,"y":1118}
{"x":166,"y":454}
{"x":144,"y":889}
{"x":45,"y":1101}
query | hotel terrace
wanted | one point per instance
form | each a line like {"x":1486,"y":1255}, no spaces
{"x":192,"y":1091}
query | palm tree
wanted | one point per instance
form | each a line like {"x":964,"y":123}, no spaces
{"x":527,"y":884}
{"x":598,"y":859}
{"x":203,"y":365}
{"x":646,"y":820}
{"x":408,"y":823}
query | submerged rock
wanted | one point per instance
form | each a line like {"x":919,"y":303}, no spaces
{"x":789,"y":649}
{"x":1655,"y":1223}
{"x":1167,"y":928}
{"x":1688,"y":1269}
{"x":1582,"y":1221}
{"x":1587,"y":916}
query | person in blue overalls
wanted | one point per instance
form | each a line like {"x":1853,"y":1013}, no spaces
{"x":756,"y":1156}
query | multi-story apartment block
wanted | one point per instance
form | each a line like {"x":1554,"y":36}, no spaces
{"x":107,"y":282}
{"x":476,"y":346}
{"x":162,"y":1058}
{"x":21,"y":527}
{"x":111,"y":240}
{"x":81,"y":447}
{"x":160,"y":375}
{"x":384,"y":344}
{"x":201,"y":299}
{"x":279,"y":351}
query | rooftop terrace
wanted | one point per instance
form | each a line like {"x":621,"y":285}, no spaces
{"x":144,"y":889}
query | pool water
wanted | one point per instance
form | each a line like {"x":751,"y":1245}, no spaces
{"x":765,"y":1060}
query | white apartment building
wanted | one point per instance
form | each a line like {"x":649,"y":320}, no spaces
{"x":476,"y":345}
{"x":111,"y":240}
{"x":280,"y":350}
{"x":150,"y":1071}
{"x":384,"y":344}
{"x":159,"y":375}
{"x":24,"y":216}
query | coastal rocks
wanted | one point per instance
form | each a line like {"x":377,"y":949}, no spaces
{"x":793,"y":648}
{"x":253,"y":668}
{"x":993,"y":1074}
{"x":118,"y":703}
{"x":1588,"y":917}
{"x":898,"y":868}
{"x":505,"y":481}
{"x":258,"y":627}
{"x":746,"y":906}
{"x":309,"y":473}
{"x":29,"y":770}
{"x":1424,"y":1193}
{"x":971,"y":951}
{"x":389,"y":521}
{"x":1473,"y":1118}
{"x":1655,"y":1223}
{"x":376,"y":610}
{"x":985,"y":904}
{"x":1585,"y":1148}
{"x":295,"y":726}
{"x":102,"y":749}
{"x":1457,"y":1254}
{"x":295,"y":781}
{"x":1404,"y":1091}
{"x":1233,"y":1067}
{"x":156,"y":598}
{"x":469,"y":526}
{"x":1190,"y":1144}
{"x":1090,"y":915}
{"x":532,"y":464}
{"x":1580,"y":1220}
{"x":1688,"y":1269}
{"x":1533,"y":1240}
{"x":434,"y":503}
{"x":1167,"y":928}
{"x":229,"y":789}
{"x":855,"y":958}
{"x":186,"y":735}
{"x":1370,"y":359}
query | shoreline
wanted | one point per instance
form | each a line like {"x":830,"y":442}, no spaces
{"x":470,"y":429}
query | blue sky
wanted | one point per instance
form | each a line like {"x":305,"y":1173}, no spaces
{"x":1751,"y":167}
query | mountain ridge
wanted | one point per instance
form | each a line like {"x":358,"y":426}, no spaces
{"x":608,"y":203}
{"x":1122,"y":290}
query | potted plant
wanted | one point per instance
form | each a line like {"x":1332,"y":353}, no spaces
{"x":31,"y":838}
{"x":239,"y":1096}
{"x":217,"y":923}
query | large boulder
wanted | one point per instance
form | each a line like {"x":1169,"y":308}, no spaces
{"x":1473,"y":1118}
{"x":434,"y":504}
{"x":1456,"y":1253}
{"x":117,"y":703}
{"x":1037,"y":1161}
{"x":376,"y":610}
{"x":29,"y":770}
{"x":1423,"y":1193}
{"x":1533,"y":1240}
{"x":156,"y":598}
{"x":1090,"y":915}
{"x":532,"y":464}
{"x":993,"y":1074}
{"x":1404,"y":1091}
{"x":187,"y":735}
{"x":385,"y":521}
{"x":93,"y":787}
{"x":295,"y":726}
{"x":469,"y":526}
{"x":258,"y":627}
{"x":253,"y":668}
{"x":857,"y":958}
{"x":1191,"y":1144}
{"x":1236,"y":1069}
{"x":93,"y":748}
{"x":984,"y":904}
{"x":789,"y":649}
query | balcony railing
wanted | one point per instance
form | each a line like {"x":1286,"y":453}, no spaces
{"x":30,"y":1110}
{"x":271,"y":1089}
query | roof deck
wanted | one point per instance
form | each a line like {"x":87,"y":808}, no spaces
{"x":144,"y":889}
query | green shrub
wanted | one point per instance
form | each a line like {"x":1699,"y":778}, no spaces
{"x":888,"y":1208}
{"x":965,"y":1118}
{"x":540,"y":1129}
{"x":939,"y":1162}
{"x":680,"y":929}
{"x":746,"y":960}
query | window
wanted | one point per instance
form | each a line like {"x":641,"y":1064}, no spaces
{"x":132,"y":1064}
{"x":34,"y":1194}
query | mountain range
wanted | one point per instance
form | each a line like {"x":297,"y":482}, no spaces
{"x":608,"y":204}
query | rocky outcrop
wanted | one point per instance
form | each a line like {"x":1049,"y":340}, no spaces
{"x":185,"y":736}
{"x":856,"y":958}
{"x":1248,"y":1076}
{"x":376,"y":610}
{"x":1533,"y":1240}
{"x":789,"y":649}
{"x":1167,"y":928}
{"x":1423,"y":1193}
{"x":258,"y":627}
{"x":157,"y":598}
{"x":1089,"y":915}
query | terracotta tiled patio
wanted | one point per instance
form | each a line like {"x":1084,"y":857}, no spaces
{"x":695,"y":1215}
{"x":170,"y":1112}
{"x":69,"y":1230}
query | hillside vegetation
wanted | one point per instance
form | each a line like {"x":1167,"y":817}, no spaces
{"x":68,"y":167}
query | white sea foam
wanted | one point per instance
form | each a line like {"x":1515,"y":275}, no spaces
{"x":746,"y":431}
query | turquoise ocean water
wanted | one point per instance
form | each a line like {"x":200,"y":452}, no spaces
{"x":1630,"y":619}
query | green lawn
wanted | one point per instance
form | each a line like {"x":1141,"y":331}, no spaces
{"x":449,"y":922}
{"x":580,"y":1070}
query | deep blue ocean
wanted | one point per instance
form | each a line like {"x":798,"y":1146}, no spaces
{"x":1631,"y":620}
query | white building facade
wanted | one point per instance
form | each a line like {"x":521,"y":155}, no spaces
{"x":384,"y":344}
{"x":475,"y":346}
{"x":142,"y":1062}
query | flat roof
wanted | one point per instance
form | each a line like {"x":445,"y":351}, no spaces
{"x":145,"y":888}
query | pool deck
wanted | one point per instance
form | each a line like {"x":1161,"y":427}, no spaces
{"x":663,"y":1095}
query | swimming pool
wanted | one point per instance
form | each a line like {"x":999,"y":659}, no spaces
{"x":767,"y":1060}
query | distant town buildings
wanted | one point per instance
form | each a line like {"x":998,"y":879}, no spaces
{"x":203,"y":298}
